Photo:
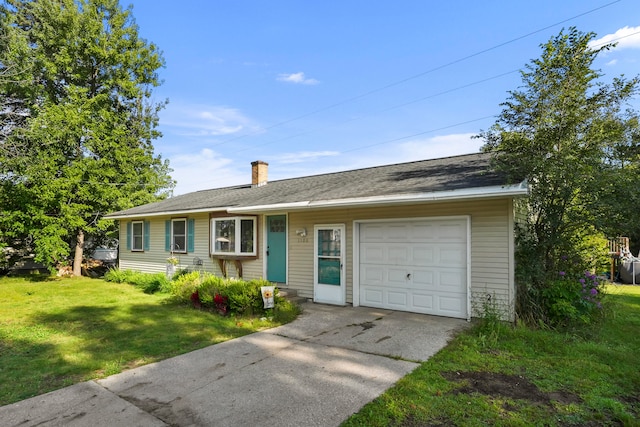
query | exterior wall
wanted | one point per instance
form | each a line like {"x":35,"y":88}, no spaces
{"x":154,"y":260}
{"x":491,"y":246}
{"x":491,"y":261}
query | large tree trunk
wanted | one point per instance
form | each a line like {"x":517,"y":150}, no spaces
{"x":77,"y":259}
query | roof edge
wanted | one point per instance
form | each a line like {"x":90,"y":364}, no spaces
{"x":164,"y":213}
{"x":515,"y":190}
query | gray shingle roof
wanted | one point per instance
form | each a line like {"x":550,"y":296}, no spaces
{"x":427,"y":176}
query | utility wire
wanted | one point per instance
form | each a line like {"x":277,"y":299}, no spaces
{"x":412,"y":101}
{"x":394,"y":107}
{"x":415,"y":76}
{"x":418,"y":134}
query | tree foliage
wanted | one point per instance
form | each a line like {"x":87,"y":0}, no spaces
{"x":575,"y":140}
{"x":77,"y":122}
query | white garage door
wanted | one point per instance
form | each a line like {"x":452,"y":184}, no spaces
{"x":415,"y":265}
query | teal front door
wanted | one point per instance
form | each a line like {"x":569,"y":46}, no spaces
{"x":277,"y":248}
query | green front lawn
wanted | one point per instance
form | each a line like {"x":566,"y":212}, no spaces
{"x":503,"y":376}
{"x":54,"y":333}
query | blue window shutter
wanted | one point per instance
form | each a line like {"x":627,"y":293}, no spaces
{"x":128,"y":235}
{"x":146,"y":226}
{"x":167,"y":235}
{"x":191,"y":225}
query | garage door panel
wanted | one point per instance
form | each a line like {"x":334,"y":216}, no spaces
{"x":423,"y":232}
{"x":398,"y":255}
{"x":372,"y":275}
{"x":422,"y":302}
{"x":373,"y":297}
{"x":417,"y":266}
{"x":453,"y":281}
{"x":372,"y":253}
{"x":397,"y":276}
{"x":396,"y":233}
{"x":453,"y":231}
{"x":452,"y":305}
{"x":423,"y":255}
{"x":397,"y":299}
{"x":371,"y":233}
{"x":423,"y":279}
{"x":453,"y":254}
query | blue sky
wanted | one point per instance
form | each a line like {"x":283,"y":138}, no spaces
{"x":322,"y":86}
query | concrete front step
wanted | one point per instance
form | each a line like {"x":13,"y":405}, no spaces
{"x":291,"y":295}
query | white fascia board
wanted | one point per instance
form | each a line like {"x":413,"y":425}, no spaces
{"x":521,"y":189}
{"x":266,"y":208}
{"x":516,"y":190}
{"x":464,"y":194}
{"x":165,"y":213}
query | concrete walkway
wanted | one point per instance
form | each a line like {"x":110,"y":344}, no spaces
{"x":315,"y":371}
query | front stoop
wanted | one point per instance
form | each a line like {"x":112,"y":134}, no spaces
{"x":291,"y":295}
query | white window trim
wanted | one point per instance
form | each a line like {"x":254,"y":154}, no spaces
{"x":186,"y":236}
{"x":133,"y":236}
{"x":237,"y":236}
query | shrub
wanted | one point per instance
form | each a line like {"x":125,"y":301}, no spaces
{"x":573,"y":298}
{"x":148,"y":282}
{"x":557,"y":288}
{"x":209,"y":292}
{"x":151,"y":283}
{"x":228,"y":296}
{"x":185,"y":285}
{"x":490,"y":324}
{"x":119,"y":276}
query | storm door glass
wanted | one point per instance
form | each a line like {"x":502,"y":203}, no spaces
{"x":329,"y":256}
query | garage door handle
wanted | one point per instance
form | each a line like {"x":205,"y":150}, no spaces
{"x":408,"y":276}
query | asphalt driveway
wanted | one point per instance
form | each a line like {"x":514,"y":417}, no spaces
{"x":315,"y":371}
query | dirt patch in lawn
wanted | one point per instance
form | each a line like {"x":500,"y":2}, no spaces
{"x":509,"y":386}
{"x":515,"y":387}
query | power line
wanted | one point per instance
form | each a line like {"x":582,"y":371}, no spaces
{"x":444,"y":92}
{"x":418,"y":134}
{"x":415,"y":76}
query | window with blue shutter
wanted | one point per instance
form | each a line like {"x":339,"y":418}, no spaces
{"x":167,"y":235}
{"x":128,"y":235}
{"x":191,"y":234}
{"x":179,"y":235}
{"x":137,"y":236}
{"x":147,"y":236}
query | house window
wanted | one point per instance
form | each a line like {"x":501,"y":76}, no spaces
{"x":179,"y":235}
{"x":233,"y":236}
{"x":137,"y":235}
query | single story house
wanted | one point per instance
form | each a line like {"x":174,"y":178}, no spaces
{"x":433,"y":236}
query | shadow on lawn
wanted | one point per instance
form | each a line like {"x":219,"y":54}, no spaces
{"x":18,"y":381}
{"x":86,"y":342}
{"x":35,"y":278}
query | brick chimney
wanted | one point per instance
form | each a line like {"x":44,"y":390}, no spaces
{"x":259,"y":170}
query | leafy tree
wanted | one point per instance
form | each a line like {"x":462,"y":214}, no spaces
{"x":77,"y":142}
{"x":574,"y":139}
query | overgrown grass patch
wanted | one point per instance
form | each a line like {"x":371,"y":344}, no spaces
{"x":582,"y":377}
{"x":56,"y":332}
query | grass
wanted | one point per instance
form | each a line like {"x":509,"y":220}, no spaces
{"x":57,"y":332}
{"x":588,"y":376}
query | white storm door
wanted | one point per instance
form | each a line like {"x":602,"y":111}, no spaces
{"x":329,"y":255}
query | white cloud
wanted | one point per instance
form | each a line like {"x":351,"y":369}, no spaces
{"x":314,"y":163}
{"x":626,"y":38}
{"x":304,"y":156}
{"x":205,"y":120}
{"x":297,"y":78}
{"x":204,"y":170}
{"x":207,"y":169}
{"x":611,"y":63}
{"x":439,"y":146}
